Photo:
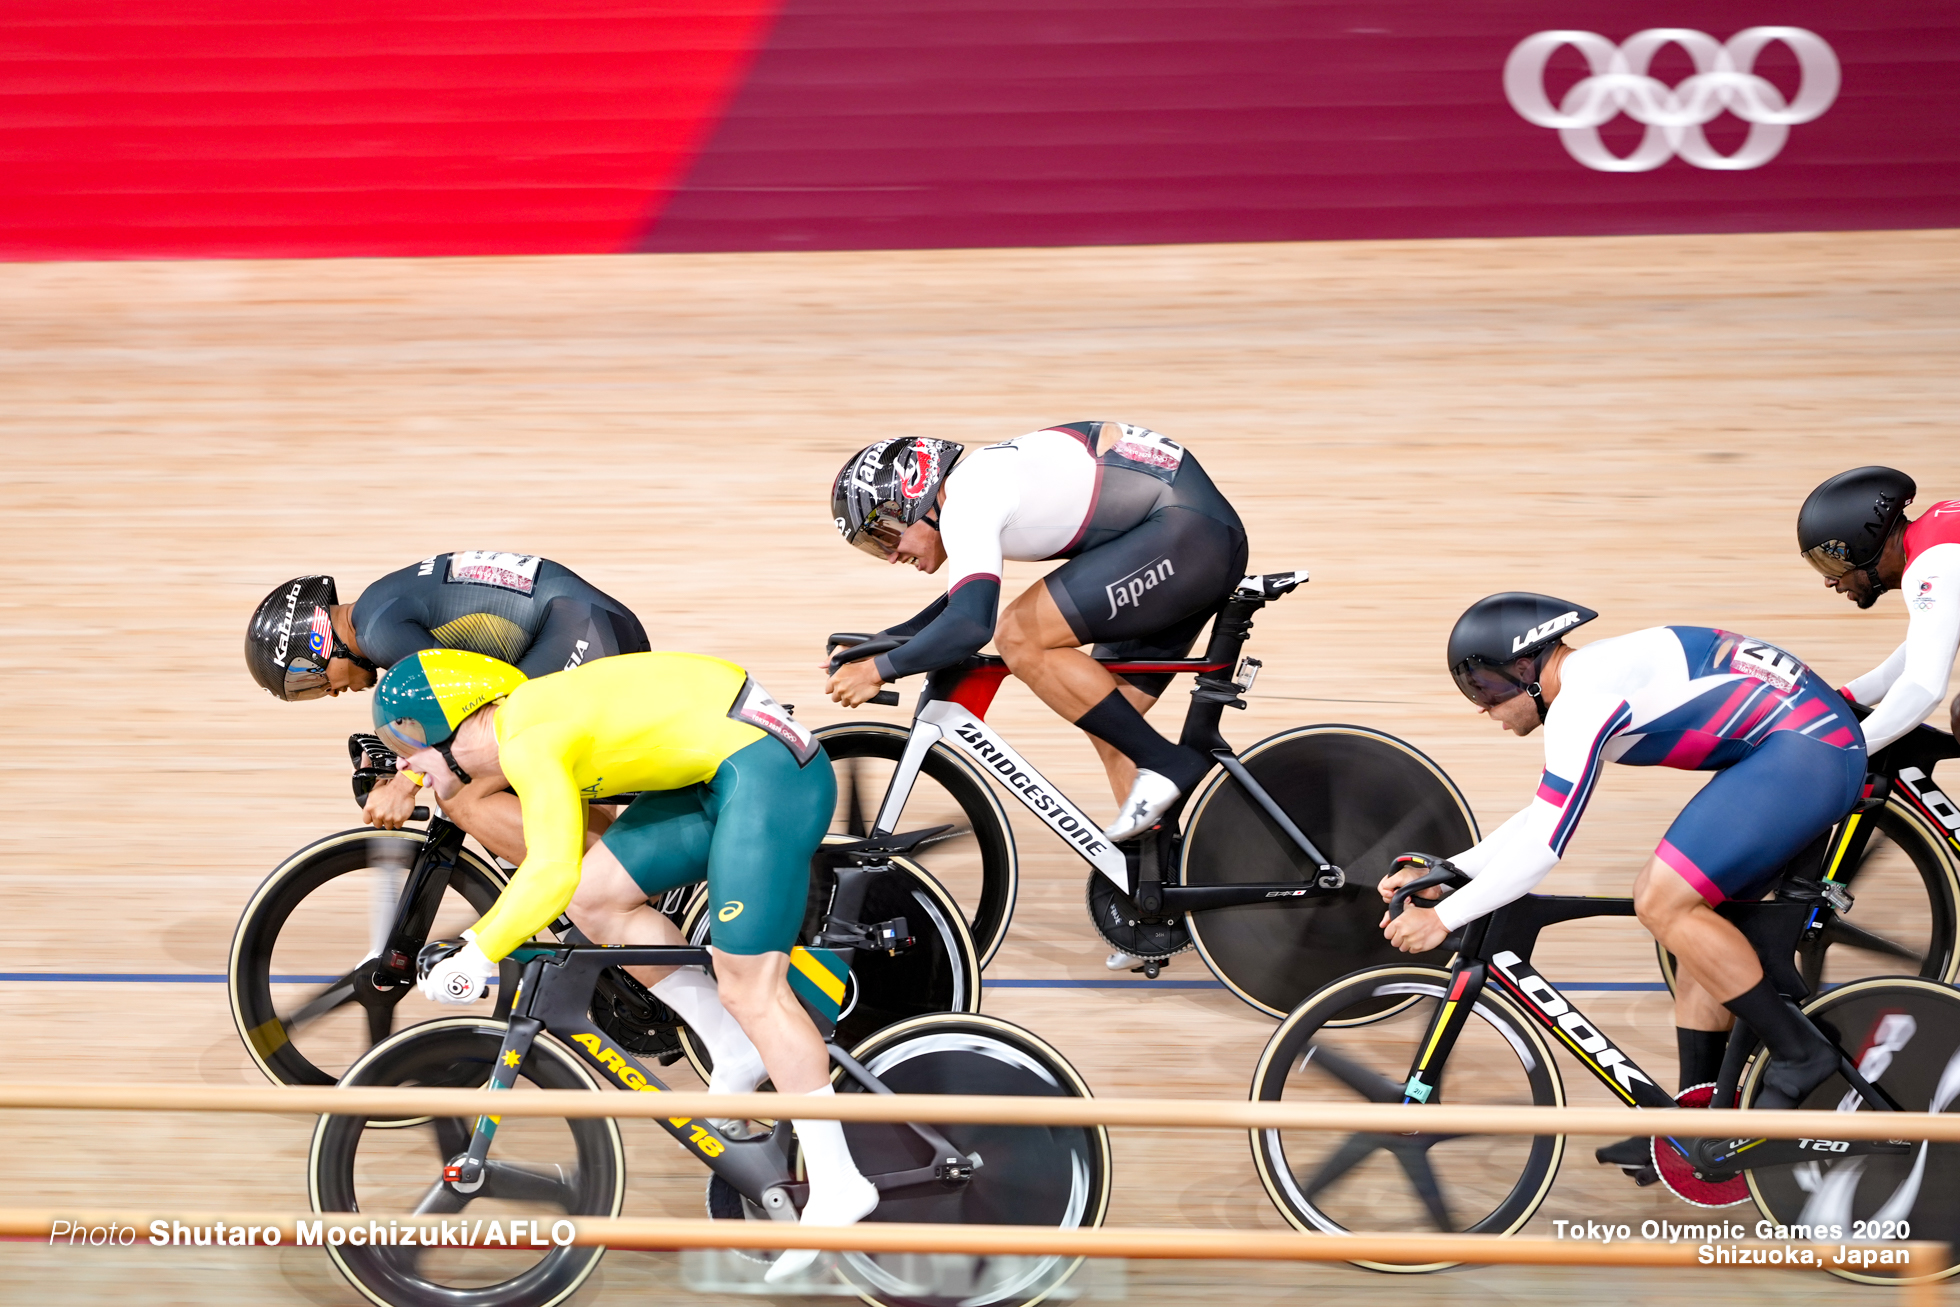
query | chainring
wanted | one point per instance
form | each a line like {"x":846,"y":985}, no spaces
{"x":1124,"y":926}
{"x":637,"y":1021}
{"x":1678,"y":1174}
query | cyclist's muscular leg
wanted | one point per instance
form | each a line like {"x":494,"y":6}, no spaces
{"x":1043,"y":650}
{"x":1713,"y":955}
{"x":610,"y":907}
{"x":755,"y":990}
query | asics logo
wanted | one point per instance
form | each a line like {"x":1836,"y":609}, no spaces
{"x":1723,"y":80}
{"x":729,"y":910}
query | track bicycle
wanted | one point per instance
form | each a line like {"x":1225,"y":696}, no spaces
{"x":1269,"y":868}
{"x":1898,"y":855}
{"x":322,"y":964}
{"x":1483,"y":1031}
{"x":505,"y":1168}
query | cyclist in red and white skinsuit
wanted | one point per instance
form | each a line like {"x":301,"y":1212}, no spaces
{"x":1153,"y":549}
{"x":1854,"y":530}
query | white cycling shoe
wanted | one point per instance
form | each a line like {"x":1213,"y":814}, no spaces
{"x":1122,"y":962}
{"x":1150,"y":798}
{"x":836,"y":1204}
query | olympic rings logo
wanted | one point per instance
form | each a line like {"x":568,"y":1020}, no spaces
{"x":1723,"y":80}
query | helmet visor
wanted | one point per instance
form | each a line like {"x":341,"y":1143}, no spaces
{"x":1830,"y":558}
{"x":405,"y":736}
{"x":879,"y":536}
{"x":306,"y":679}
{"x":1484,"y":685}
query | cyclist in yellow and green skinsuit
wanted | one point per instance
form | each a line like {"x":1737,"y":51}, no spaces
{"x":731,"y":791}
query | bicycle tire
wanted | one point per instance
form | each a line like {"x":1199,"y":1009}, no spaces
{"x":1030,"y":1175}
{"x":1922,"y":1074}
{"x":940,"y":973}
{"x":1929,"y":852}
{"x":989,"y":888}
{"x":1363,"y":1032}
{"x":459,"y":1052}
{"x":268,"y":1038}
{"x":1362,"y":797}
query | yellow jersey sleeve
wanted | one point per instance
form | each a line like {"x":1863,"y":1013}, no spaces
{"x":534,"y":762}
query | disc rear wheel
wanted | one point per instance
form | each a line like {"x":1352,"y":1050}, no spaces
{"x":1362,"y":797}
{"x":1022,"y":1175}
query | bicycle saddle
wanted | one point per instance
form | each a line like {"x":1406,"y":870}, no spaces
{"x":1271,"y":585}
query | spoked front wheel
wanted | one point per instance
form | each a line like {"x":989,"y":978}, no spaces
{"x":973,"y":857}
{"x":1362,"y":797}
{"x":1021,"y":1175}
{"x":1355,"y":1043}
{"x":310,"y":991}
{"x":1904,"y":1035}
{"x":540,"y":1169}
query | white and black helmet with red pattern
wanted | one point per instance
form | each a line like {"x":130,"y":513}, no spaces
{"x":887,"y":486}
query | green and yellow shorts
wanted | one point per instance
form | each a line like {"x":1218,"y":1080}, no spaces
{"x":750,"y":832}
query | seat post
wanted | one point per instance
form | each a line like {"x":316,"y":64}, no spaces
{"x":1229,"y":631}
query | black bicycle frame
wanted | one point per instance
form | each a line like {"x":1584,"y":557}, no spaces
{"x":1498,"y":947}
{"x":970,"y":685}
{"x":555,"y":995}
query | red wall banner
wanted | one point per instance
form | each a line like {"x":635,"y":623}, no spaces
{"x":219,"y":128}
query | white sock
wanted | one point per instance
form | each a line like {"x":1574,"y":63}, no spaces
{"x":839,"y":1193}
{"x":694,"y":998}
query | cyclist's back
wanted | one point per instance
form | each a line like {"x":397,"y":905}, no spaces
{"x":538,"y":615}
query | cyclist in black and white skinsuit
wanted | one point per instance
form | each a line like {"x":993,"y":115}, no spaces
{"x":1153,"y":550}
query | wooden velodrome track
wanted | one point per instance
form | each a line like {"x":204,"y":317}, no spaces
{"x":1630,"y":423}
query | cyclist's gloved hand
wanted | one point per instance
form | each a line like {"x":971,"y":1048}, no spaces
{"x":453,"y":971}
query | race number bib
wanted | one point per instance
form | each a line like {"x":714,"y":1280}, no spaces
{"x":517,"y":572}
{"x":1145,"y":451}
{"x":755,"y":706}
{"x":1768,"y":663}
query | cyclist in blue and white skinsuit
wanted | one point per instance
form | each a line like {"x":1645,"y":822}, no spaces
{"x":1789,"y":758}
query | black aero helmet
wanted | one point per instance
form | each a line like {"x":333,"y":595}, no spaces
{"x":887,"y":486}
{"x":292,"y":637}
{"x":1845,"y":522}
{"x":1500,"y":631}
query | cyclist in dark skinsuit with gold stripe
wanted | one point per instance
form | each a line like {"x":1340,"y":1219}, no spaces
{"x":538,"y":615}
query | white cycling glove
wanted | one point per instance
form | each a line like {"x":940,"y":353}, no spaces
{"x":456,"y":975}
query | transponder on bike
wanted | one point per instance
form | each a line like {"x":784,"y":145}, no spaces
{"x":732,"y":790}
{"x":540,"y":616}
{"x":1153,"y":549}
{"x":1854,"y":530}
{"x":1791,"y":763}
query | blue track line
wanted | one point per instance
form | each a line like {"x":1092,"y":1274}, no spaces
{"x":184,"y":978}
